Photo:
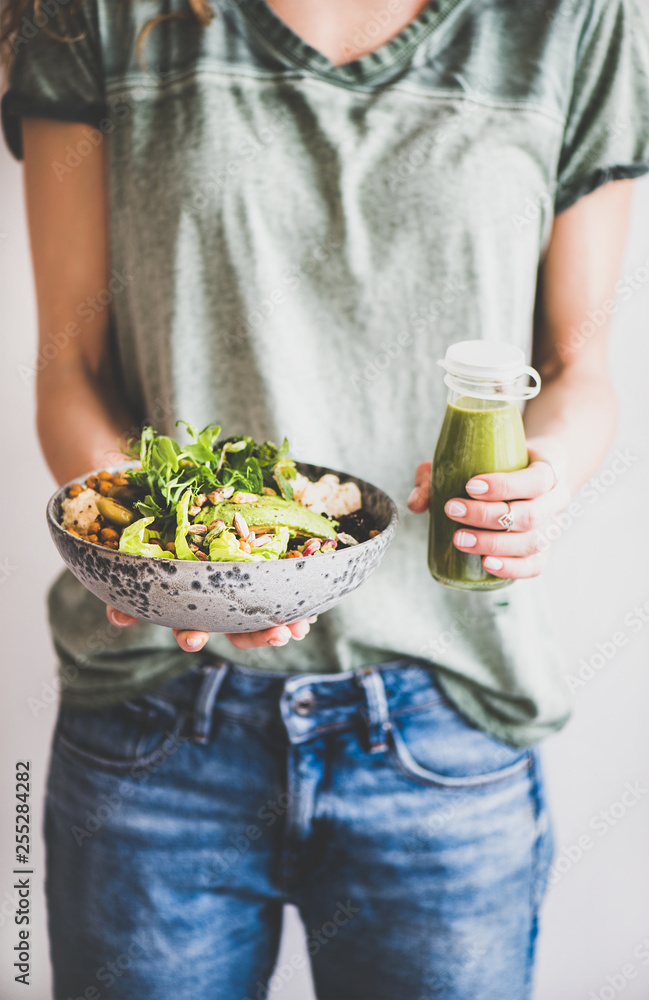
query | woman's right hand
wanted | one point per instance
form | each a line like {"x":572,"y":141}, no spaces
{"x":193,"y":641}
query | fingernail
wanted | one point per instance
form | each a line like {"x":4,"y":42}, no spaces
{"x":194,"y":641}
{"x":415,"y":496}
{"x":466,"y":539}
{"x":455,"y":509}
{"x":312,"y":619}
{"x":282,"y":637}
{"x":492,"y":563}
{"x":118,"y":617}
{"x":477,"y":486}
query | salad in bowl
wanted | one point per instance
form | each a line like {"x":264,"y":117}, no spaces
{"x":178,"y":520}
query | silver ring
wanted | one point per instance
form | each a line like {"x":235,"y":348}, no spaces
{"x":507,"y":520}
{"x":546,"y":461}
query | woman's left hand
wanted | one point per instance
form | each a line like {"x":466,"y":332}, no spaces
{"x":534,"y":495}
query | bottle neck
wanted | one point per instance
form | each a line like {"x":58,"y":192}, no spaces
{"x":496,"y":390}
{"x":480,"y":394}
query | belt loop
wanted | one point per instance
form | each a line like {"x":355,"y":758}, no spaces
{"x":377,"y":715}
{"x":213,"y":678}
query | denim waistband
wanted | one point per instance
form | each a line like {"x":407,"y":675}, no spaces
{"x":309,"y":705}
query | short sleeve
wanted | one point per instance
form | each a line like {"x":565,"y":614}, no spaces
{"x":51,"y":78}
{"x":607,"y":129}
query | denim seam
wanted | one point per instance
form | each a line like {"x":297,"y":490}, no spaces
{"x":117,"y":766}
{"x":205,"y":701}
{"x":150,"y":699}
{"x":399,"y":750}
{"x":250,"y":720}
{"x":536,"y":895}
{"x":378,"y":710}
{"x":349,"y":722}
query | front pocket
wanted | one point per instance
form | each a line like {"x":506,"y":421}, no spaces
{"x":438,"y":747}
{"x":129,"y":737}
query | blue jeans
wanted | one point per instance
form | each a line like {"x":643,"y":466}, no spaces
{"x":415,"y":847}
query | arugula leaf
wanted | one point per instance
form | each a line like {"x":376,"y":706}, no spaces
{"x":169,"y":470}
{"x":284,"y":485}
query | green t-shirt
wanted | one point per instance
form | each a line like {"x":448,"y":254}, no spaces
{"x":293,"y":246}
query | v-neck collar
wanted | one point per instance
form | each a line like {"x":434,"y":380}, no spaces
{"x":384,"y":62}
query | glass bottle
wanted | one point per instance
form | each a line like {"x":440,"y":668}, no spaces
{"x":482,"y":432}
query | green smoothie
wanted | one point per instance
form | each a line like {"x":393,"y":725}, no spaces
{"x":478,"y":436}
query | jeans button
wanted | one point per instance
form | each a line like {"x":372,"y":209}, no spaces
{"x":304,"y":702}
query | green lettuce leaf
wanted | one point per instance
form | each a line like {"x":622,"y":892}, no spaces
{"x":225,"y":548}
{"x":183,"y":550}
{"x":135,"y":540}
{"x":276,"y":548}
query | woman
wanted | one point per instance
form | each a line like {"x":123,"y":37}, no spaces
{"x":278,"y":215}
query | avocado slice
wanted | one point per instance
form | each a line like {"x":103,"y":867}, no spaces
{"x":269,"y":512}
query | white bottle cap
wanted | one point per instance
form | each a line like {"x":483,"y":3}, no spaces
{"x":491,"y":362}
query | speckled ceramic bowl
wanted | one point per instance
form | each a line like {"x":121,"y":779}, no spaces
{"x":220,"y":596}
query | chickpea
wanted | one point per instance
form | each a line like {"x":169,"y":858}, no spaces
{"x":91,"y":482}
{"x":92,"y":538}
{"x":94,"y":528}
{"x":104,"y":487}
{"x":109,"y":535}
{"x":75,"y":490}
{"x":170,"y":547}
{"x":108,"y":476}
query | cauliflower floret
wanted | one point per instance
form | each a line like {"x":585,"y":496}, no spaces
{"x":327,"y":496}
{"x":80,"y":511}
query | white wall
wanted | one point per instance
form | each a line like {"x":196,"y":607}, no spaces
{"x":597,"y":913}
